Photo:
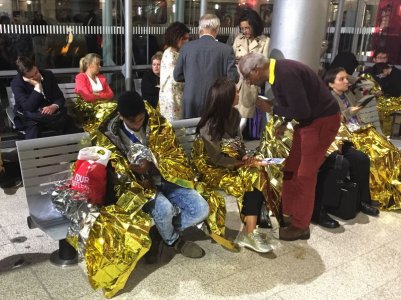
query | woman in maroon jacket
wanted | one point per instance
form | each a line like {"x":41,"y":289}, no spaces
{"x":90,"y":84}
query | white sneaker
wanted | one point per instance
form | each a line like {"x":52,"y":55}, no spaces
{"x":253,"y":241}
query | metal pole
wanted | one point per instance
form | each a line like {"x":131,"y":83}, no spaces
{"x":128,"y":43}
{"x":360,"y":9}
{"x":107,"y":37}
{"x":337,"y":30}
{"x":298,"y":29}
{"x":203,"y":7}
{"x":179,"y":10}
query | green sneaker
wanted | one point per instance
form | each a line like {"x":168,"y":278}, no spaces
{"x":254,"y":241}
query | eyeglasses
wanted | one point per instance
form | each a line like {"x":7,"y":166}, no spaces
{"x":246,"y":76}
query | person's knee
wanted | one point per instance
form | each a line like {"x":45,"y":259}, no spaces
{"x":162,"y":210}
{"x":200,"y":208}
{"x":203,"y":209}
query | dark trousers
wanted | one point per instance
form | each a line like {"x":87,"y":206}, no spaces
{"x":33,"y":125}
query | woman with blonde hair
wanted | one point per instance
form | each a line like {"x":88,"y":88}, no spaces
{"x":90,"y":84}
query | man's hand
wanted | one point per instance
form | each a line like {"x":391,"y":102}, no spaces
{"x":264,"y":105}
{"x":49,"y":110}
{"x":279,"y":130}
{"x":31,"y":81}
{"x":142,"y":167}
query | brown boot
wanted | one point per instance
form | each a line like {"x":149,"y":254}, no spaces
{"x":292,"y":233}
{"x":286,"y":221}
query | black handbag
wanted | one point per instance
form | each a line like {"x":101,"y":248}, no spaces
{"x":349,"y":202}
{"x":333,"y":190}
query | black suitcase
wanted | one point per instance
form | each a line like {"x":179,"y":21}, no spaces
{"x":349,"y":202}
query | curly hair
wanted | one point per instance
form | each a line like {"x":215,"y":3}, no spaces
{"x":254,"y":20}
{"x":173,"y":34}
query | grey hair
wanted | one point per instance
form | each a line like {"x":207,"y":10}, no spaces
{"x":209,"y":22}
{"x":251,"y":61}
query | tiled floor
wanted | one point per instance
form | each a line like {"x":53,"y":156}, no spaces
{"x":360,"y":260}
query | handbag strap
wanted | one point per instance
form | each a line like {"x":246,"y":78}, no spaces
{"x":339,"y":162}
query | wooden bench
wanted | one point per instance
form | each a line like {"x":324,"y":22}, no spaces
{"x":43,"y":162}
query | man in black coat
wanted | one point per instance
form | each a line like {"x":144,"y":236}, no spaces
{"x":39,"y":102}
{"x":390,"y":79}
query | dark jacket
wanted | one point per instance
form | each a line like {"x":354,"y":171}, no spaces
{"x":392,"y":86}
{"x":29,"y":100}
{"x":150,"y":88}
{"x":199,"y":64}
{"x":300,"y":94}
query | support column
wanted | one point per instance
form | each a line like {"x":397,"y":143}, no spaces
{"x":360,"y":10}
{"x":179,"y":10}
{"x":128,"y":43}
{"x":298,"y":29}
{"x":107,"y":38}
{"x":203,"y":7}
{"x":337,"y":31}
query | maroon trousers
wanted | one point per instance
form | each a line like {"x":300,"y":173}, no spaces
{"x":307,"y":153}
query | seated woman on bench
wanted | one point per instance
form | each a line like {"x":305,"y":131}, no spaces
{"x":384,"y":156}
{"x":220,"y":159}
{"x":90,"y":84}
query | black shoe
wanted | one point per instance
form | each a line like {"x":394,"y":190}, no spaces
{"x":326,"y":221}
{"x":369,"y":209}
{"x":188,"y":248}
{"x":6,"y":181}
{"x":152,"y":256}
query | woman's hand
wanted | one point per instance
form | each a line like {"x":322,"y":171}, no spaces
{"x":253,"y":162}
{"x":354,"y":109}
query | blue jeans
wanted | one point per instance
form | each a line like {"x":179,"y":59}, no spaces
{"x":176,"y":208}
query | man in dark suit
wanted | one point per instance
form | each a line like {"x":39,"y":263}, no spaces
{"x":39,"y":102}
{"x":201,"y":62}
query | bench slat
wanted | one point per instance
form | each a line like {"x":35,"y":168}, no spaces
{"x":28,"y":173}
{"x":187,"y":123}
{"x":43,"y":152}
{"x":46,"y":179}
{"x":53,"y":160}
{"x":59,"y":140}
